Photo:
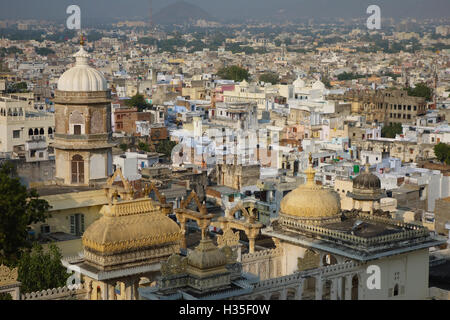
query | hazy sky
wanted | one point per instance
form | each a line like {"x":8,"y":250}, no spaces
{"x":226,"y":9}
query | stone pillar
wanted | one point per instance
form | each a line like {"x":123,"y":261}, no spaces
{"x":319,"y":288}
{"x":348,"y":287}
{"x":136,"y":289}
{"x":283,"y":294}
{"x":299,"y":293}
{"x":251,"y":245}
{"x":89,"y":290}
{"x":129,"y":290}
{"x":183,"y":239}
{"x":104,"y":287}
{"x":111,"y":292}
{"x":334,"y":289}
{"x":339,"y":288}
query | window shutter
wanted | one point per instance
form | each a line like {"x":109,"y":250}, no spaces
{"x":82,"y":223}
{"x":72,"y":224}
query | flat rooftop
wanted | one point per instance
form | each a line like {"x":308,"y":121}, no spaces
{"x":365,"y":229}
{"x":55,"y":189}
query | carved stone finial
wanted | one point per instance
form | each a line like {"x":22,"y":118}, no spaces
{"x":174,"y":265}
{"x":229,"y":238}
{"x":7,"y":276}
{"x":81,"y":39}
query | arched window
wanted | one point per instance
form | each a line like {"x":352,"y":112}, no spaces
{"x":50,"y":130}
{"x":275,"y":296}
{"x":355,"y":285}
{"x":328,"y":259}
{"x":395,"y":290}
{"x":41,"y":132}
{"x":30,"y":132}
{"x":36,"y":132}
{"x":326,"y":293}
{"x":77,"y":169}
{"x":99,"y":293}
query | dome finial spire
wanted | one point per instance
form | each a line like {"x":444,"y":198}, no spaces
{"x":310,"y":172}
{"x":81,"y":39}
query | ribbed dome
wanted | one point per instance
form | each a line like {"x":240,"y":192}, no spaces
{"x":318,"y":85}
{"x":367,"y":181}
{"x":130,"y":225}
{"x":310,"y":200}
{"x":299,"y":83}
{"x":82,"y":77}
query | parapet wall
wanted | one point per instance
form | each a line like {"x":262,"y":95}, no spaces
{"x":64,"y":293}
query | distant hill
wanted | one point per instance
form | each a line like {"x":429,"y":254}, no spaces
{"x":181,"y":12}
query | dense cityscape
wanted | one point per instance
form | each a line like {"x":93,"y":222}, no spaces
{"x":183,"y":157}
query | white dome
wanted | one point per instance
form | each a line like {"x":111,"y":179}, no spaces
{"x":82,"y":77}
{"x":318,"y":85}
{"x":299,"y":83}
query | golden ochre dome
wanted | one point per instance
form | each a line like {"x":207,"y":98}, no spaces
{"x":310,"y":201}
{"x":130,"y":225}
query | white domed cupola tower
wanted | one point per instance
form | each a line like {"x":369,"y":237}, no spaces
{"x":83,"y":146}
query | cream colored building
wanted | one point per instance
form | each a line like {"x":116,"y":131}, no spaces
{"x":245,"y":92}
{"x":19,"y":123}
{"x":323,"y":253}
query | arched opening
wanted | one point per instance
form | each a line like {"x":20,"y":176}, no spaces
{"x":275,"y":296}
{"x":355,"y":285}
{"x":328,"y":260}
{"x":50,"y":130}
{"x":290,"y":294}
{"x":309,"y":289}
{"x":41,"y":132}
{"x":296,"y":166}
{"x":99,"y":293}
{"x":36,"y":132}
{"x":118,"y":291}
{"x":77,"y":169}
{"x":395,"y":290}
{"x":30,"y":132}
{"x":326,"y":293}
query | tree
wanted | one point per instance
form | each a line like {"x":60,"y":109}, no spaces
{"x":421,"y":90}
{"x":40,"y":270}
{"x":19,"y":87}
{"x":442,"y":152}
{"x":43,"y":51}
{"x":391,"y":131}
{"x":138,"y":101}
{"x":19,"y":209}
{"x":144,"y":147}
{"x":269,"y":77}
{"x":5,"y":296}
{"x":123,"y":146}
{"x":235,"y":73}
{"x":326,"y":82}
{"x":165,"y":146}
